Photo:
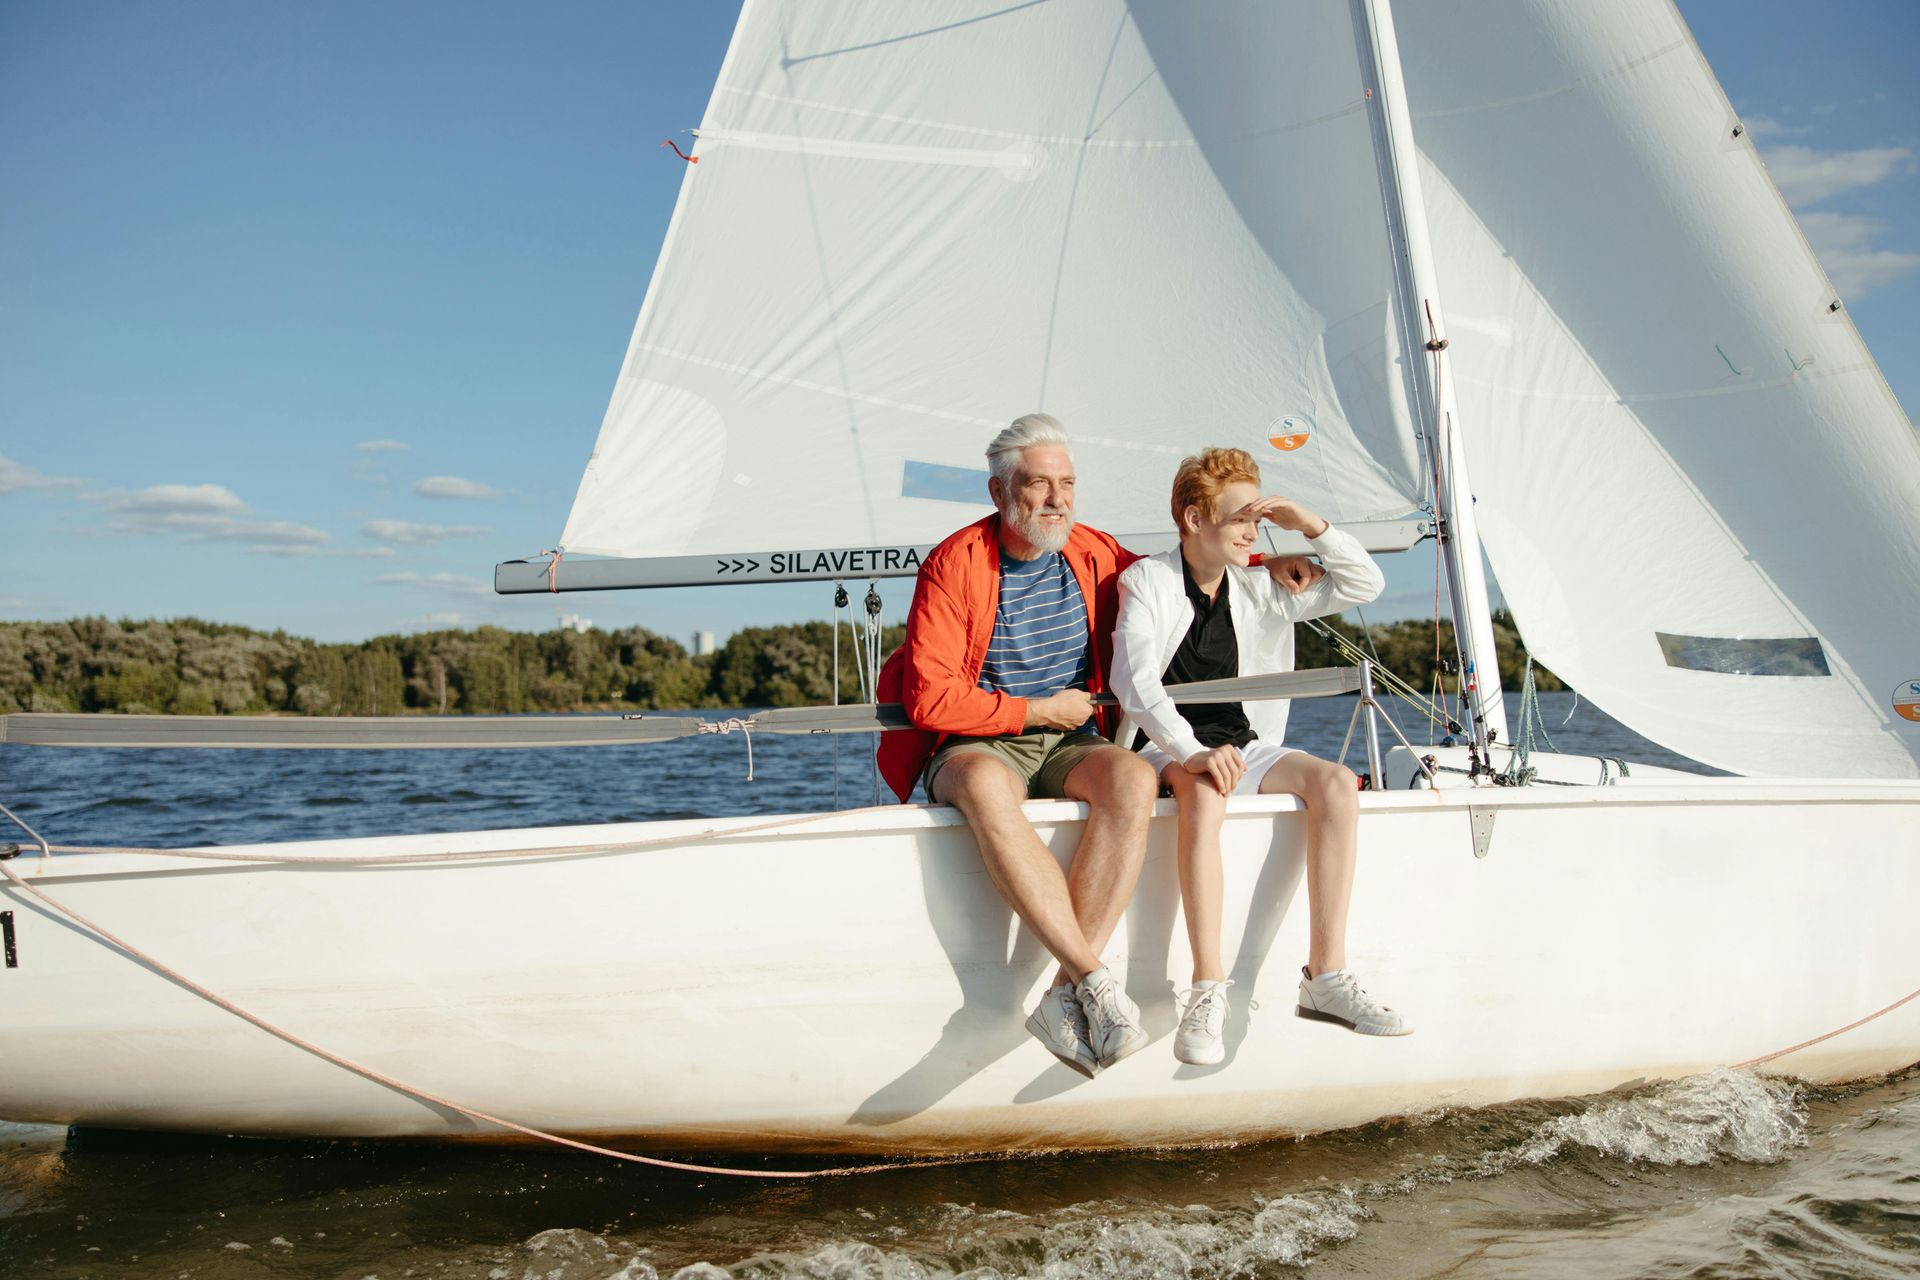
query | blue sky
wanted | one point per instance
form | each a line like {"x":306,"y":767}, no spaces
{"x":309,"y":314}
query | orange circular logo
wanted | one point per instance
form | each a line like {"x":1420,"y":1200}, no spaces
{"x":1906,"y":700}
{"x":1289,"y":434}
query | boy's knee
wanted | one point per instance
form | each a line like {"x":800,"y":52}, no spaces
{"x":1337,"y":787}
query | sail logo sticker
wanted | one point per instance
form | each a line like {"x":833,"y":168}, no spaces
{"x":1289,"y":434}
{"x":1906,"y":700}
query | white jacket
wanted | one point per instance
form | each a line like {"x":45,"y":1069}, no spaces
{"x":1155,"y":615}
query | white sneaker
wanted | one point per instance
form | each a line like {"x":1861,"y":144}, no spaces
{"x":1113,"y":1021}
{"x":1058,"y":1023}
{"x":1337,"y":997}
{"x":1197,"y":1043}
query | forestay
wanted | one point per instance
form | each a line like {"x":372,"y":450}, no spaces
{"x":1695,"y":487}
{"x":907,"y":224}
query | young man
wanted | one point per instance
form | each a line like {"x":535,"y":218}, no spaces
{"x":1009,"y":635}
{"x":1199,"y":613}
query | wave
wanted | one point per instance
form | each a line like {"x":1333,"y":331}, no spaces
{"x":1736,"y":1118}
{"x":1736,"y":1115}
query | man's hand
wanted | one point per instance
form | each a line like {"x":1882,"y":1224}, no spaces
{"x":1065,"y":711}
{"x":1286,"y":513}
{"x":1294,"y":574}
{"x":1224,"y":766}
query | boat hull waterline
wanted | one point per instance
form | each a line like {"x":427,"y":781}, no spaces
{"x":853,"y":983}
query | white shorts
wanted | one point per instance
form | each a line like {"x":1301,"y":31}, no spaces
{"x":1260,"y":757}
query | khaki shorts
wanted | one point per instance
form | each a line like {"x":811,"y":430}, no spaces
{"x":1043,"y":759}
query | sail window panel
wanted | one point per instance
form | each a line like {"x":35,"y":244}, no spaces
{"x":933,"y":482}
{"x":1745,"y":656}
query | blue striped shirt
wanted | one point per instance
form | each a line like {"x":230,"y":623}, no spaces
{"x":1039,"y":643}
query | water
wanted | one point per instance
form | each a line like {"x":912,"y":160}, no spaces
{"x":1729,"y":1174}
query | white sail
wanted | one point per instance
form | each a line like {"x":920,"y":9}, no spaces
{"x":1696,"y":489}
{"x":909,"y":224}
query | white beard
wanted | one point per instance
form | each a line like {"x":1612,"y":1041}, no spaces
{"x":1048,"y":538}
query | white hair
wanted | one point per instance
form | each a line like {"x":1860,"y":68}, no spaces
{"x":1026,"y":431}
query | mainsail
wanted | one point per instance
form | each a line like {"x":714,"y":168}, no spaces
{"x":1168,"y":224}
{"x":1696,"y":489}
{"x":910,"y":223}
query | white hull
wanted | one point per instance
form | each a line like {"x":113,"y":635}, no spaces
{"x":854,"y":983}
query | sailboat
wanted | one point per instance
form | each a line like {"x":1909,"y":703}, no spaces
{"x":1170,"y":226}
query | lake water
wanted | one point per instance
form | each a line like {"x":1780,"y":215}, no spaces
{"x":1730,"y":1174}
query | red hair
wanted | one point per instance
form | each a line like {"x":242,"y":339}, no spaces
{"x":1202,"y":478}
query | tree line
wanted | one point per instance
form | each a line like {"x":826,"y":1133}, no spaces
{"x":189,"y":666}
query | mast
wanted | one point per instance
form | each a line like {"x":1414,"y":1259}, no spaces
{"x":1424,"y":331}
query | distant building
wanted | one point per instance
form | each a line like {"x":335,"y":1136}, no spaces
{"x":574,"y":622}
{"x":702,"y":643}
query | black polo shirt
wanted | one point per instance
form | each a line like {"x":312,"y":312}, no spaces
{"x":1210,"y":651}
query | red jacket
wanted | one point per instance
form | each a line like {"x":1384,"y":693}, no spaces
{"x":936,"y":673}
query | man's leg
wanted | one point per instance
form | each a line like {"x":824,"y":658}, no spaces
{"x":1118,"y":788}
{"x":1333,"y":828}
{"x":989,"y":793}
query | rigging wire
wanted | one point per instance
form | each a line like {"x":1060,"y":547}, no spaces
{"x":1387,"y":677}
{"x":1520,"y":771}
{"x":1443,"y":533}
{"x":833,"y":624}
{"x":1347,"y":649}
{"x":873,"y":605}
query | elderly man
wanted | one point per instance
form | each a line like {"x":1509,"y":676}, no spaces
{"x":1009,"y":636}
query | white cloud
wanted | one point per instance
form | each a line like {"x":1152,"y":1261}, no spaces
{"x":406,"y":533}
{"x":453,"y":584}
{"x":379,"y":446}
{"x":270,"y":535}
{"x":454,"y":487}
{"x":15,"y":477}
{"x":210,"y":513}
{"x":206,"y":500}
{"x":1767,"y":127}
{"x":331,"y":553}
{"x":1843,"y":242}
{"x":1806,"y":175}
